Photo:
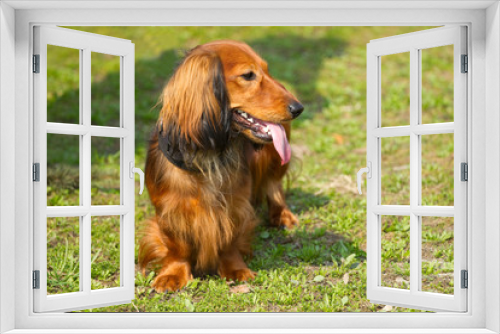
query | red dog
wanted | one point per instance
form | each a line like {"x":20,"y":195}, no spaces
{"x":220,"y":146}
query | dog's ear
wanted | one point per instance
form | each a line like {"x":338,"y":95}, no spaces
{"x":196,"y":114}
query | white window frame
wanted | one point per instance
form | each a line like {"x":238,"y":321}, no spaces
{"x":483,"y":145}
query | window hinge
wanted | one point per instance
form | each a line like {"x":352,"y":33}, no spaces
{"x":464,"y":172}
{"x":36,"y":172}
{"x":465,"y":279}
{"x":465,"y":64}
{"x":36,"y":63}
{"x":36,"y":279}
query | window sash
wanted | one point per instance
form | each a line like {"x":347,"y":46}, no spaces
{"x":86,"y":297}
{"x":413,"y":43}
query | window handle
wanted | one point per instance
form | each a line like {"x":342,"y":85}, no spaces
{"x":368,"y":171}
{"x":133,"y":170}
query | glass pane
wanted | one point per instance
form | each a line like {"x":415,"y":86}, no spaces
{"x":395,"y":252}
{"x":63,"y":85}
{"x":63,"y":255}
{"x":437,"y":169}
{"x":395,"y":89}
{"x":437,"y":84}
{"x":395,"y":170}
{"x":105,"y":171}
{"x":105,"y":89}
{"x":63,"y":170}
{"x":437,"y":254}
{"x":105,"y":268}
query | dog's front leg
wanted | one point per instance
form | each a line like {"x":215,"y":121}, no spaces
{"x":279,"y":214}
{"x":176,"y":269}
{"x":232,"y":266}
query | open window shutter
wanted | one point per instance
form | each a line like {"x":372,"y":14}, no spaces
{"x":387,"y":283}
{"x":53,"y":297}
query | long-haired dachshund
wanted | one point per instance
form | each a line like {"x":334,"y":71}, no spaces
{"x":220,"y":147}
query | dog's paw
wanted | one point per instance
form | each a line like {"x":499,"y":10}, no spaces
{"x":285,"y":220}
{"x":169,"y":282}
{"x":241,"y":275}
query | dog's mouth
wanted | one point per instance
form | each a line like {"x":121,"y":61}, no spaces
{"x":266,"y":132}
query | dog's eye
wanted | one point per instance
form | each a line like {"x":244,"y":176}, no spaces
{"x":249,"y":76}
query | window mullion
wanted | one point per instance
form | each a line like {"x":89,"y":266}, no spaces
{"x":415,"y":170}
{"x":421,"y":211}
{"x":86,"y":164}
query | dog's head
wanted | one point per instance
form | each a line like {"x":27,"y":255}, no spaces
{"x":221,"y":88}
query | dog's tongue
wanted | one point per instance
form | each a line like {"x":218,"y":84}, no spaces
{"x":280,"y":142}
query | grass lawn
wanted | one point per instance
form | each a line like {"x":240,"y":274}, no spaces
{"x":317,"y":267}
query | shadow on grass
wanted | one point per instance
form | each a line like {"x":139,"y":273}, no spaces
{"x":310,"y":243}
{"x":297,"y":60}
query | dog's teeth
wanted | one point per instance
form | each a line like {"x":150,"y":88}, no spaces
{"x":250,"y":119}
{"x":244,"y":114}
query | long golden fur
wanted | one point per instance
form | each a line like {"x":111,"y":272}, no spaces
{"x":207,"y":165}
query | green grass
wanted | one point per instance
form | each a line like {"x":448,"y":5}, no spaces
{"x":318,"y":267}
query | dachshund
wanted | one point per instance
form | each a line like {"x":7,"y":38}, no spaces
{"x":220,"y":147}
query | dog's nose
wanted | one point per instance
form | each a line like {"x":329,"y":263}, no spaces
{"x":295,"y":109}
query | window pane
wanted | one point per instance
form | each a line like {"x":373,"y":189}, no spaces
{"x":105,"y":171}
{"x":105,"y":89}
{"x":395,"y":89}
{"x":63,"y":85}
{"x":437,"y":169}
{"x":395,"y":170}
{"x":437,"y":84}
{"x":63,"y":255}
{"x":105,"y":252}
{"x":395,"y":252}
{"x":63,"y":171}
{"x":437,"y":255}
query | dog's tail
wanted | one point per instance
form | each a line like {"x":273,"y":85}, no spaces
{"x":152,"y":248}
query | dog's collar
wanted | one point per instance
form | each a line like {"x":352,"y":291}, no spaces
{"x":175,"y":152}
{"x":172,"y":153}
